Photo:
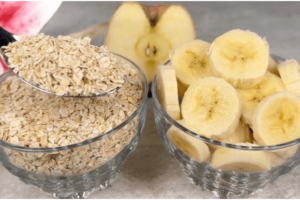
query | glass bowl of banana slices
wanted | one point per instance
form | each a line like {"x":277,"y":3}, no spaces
{"x":231,"y":136}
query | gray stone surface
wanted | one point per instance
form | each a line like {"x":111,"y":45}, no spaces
{"x":150,"y":172}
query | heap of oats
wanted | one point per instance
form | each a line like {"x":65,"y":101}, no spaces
{"x":32,"y":118}
{"x":65,"y":65}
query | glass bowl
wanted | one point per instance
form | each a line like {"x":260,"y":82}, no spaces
{"x":76,"y":170}
{"x":231,"y":182}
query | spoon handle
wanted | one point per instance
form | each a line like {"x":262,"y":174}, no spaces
{"x":6,"y":37}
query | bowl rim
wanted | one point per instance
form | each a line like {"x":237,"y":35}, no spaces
{"x":88,"y":141}
{"x":215,"y":142}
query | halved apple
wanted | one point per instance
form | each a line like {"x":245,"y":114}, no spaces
{"x":146,"y":34}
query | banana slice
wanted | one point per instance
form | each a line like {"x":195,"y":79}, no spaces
{"x":191,"y":146}
{"x":191,"y":61}
{"x":251,"y":97}
{"x":289,"y":73}
{"x":240,"y":160}
{"x":278,"y":157}
{"x":241,"y":134}
{"x":276,"y":119}
{"x":294,"y":88}
{"x":167,"y":89}
{"x":240,"y":57}
{"x":273,"y":66}
{"x":212,"y":106}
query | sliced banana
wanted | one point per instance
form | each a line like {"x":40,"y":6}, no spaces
{"x":251,"y":97}
{"x":241,"y":134}
{"x":276,"y":119}
{"x":240,"y":160}
{"x":167,"y":90}
{"x":191,"y":146}
{"x":273,"y":66}
{"x":212,"y":106}
{"x":289,"y":73}
{"x":278,"y":157}
{"x":294,"y":88}
{"x":191,"y":61}
{"x":240,"y":57}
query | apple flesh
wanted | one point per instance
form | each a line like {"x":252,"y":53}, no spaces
{"x":146,"y":34}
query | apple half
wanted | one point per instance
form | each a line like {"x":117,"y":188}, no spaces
{"x":146,"y":34}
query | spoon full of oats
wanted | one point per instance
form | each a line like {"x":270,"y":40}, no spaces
{"x":63,"y":66}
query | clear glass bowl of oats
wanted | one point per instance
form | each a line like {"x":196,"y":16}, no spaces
{"x":70,"y":147}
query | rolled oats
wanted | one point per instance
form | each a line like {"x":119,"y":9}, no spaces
{"x":32,"y":118}
{"x":65,"y":65}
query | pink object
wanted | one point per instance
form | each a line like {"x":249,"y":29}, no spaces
{"x":25,"y":17}
{"x":3,"y":66}
{"x":2,"y":63}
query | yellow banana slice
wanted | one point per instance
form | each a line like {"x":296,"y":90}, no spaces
{"x":241,"y":134}
{"x":212,"y":106}
{"x":240,"y":57}
{"x":251,"y":97}
{"x":240,"y":160}
{"x":289,"y":73}
{"x":273,"y":66}
{"x":294,"y":88}
{"x":276,"y":119}
{"x":167,"y":89}
{"x":191,"y":146}
{"x":191,"y":61}
{"x":278,"y":157}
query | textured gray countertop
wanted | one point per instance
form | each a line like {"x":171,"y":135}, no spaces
{"x":150,"y":172}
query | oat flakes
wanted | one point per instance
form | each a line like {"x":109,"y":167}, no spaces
{"x":65,"y":65}
{"x":32,"y":118}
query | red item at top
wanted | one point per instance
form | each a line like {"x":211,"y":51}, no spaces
{"x":25,"y":17}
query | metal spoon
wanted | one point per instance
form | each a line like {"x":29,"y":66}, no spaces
{"x":7,"y":37}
